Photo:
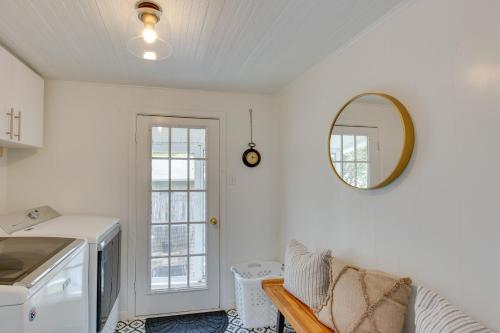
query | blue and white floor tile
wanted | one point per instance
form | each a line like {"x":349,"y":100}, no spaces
{"x":234,"y":326}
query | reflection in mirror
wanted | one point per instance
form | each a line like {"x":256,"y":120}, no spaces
{"x":367,"y":140}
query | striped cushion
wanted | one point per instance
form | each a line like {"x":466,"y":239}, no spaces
{"x":434,"y":314}
{"x":307,"y":273}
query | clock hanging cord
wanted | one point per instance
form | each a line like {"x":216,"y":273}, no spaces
{"x":251,"y":144}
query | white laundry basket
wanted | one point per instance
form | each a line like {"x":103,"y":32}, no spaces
{"x":254,"y":308}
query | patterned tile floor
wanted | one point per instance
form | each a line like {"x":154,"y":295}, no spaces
{"x":235,"y":326}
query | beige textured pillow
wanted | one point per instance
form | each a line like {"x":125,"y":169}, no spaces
{"x":364,"y":301}
{"x":307,"y":274}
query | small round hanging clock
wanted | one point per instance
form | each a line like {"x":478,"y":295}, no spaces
{"x":251,"y":157}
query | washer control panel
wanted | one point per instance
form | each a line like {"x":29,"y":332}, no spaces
{"x":27,"y":219}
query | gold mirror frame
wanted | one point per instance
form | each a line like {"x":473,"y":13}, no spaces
{"x":409,"y":140}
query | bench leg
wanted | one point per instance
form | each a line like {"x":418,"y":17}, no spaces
{"x":280,"y":323}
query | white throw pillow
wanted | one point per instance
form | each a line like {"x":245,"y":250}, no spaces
{"x":435,"y":314}
{"x":307,"y":274}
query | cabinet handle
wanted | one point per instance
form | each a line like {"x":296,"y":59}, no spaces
{"x":10,"y":133}
{"x":18,"y":117}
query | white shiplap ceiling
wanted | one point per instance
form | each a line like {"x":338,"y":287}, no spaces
{"x":241,"y":45}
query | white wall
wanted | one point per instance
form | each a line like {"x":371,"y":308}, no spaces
{"x":438,"y":223}
{"x":84,"y":165}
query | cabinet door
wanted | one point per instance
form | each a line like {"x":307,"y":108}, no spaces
{"x":28,"y":106}
{"x":6,"y":63}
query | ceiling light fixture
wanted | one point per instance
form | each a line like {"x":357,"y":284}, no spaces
{"x":146,"y":42}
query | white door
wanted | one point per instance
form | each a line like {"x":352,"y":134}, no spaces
{"x":177,"y":245}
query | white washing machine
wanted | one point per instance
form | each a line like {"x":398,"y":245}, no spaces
{"x":43,"y":285}
{"x":103,"y":237}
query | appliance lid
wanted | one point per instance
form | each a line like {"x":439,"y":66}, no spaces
{"x":26,"y":219}
{"x":20,"y":257}
{"x":94,"y":229}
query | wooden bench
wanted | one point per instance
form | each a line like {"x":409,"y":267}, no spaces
{"x":299,"y":315}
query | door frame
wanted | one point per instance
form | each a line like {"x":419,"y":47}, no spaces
{"x":130,"y":313}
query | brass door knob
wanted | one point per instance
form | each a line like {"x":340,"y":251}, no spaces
{"x":213,"y":221}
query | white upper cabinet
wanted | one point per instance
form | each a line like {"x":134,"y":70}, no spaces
{"x":21,"y":104}
{"x":5,"y":94}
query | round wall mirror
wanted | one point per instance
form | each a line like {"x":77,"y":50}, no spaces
{"x":371,"y":141}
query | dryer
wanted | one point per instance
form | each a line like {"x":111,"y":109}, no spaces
{"x":103,"y":236}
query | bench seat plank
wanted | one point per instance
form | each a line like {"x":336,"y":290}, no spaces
{"x":297,"y":313}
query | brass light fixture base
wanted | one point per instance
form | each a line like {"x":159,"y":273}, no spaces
{"x":148,"y":12}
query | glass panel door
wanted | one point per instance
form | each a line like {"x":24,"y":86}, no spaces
{"x":177,"y":263}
